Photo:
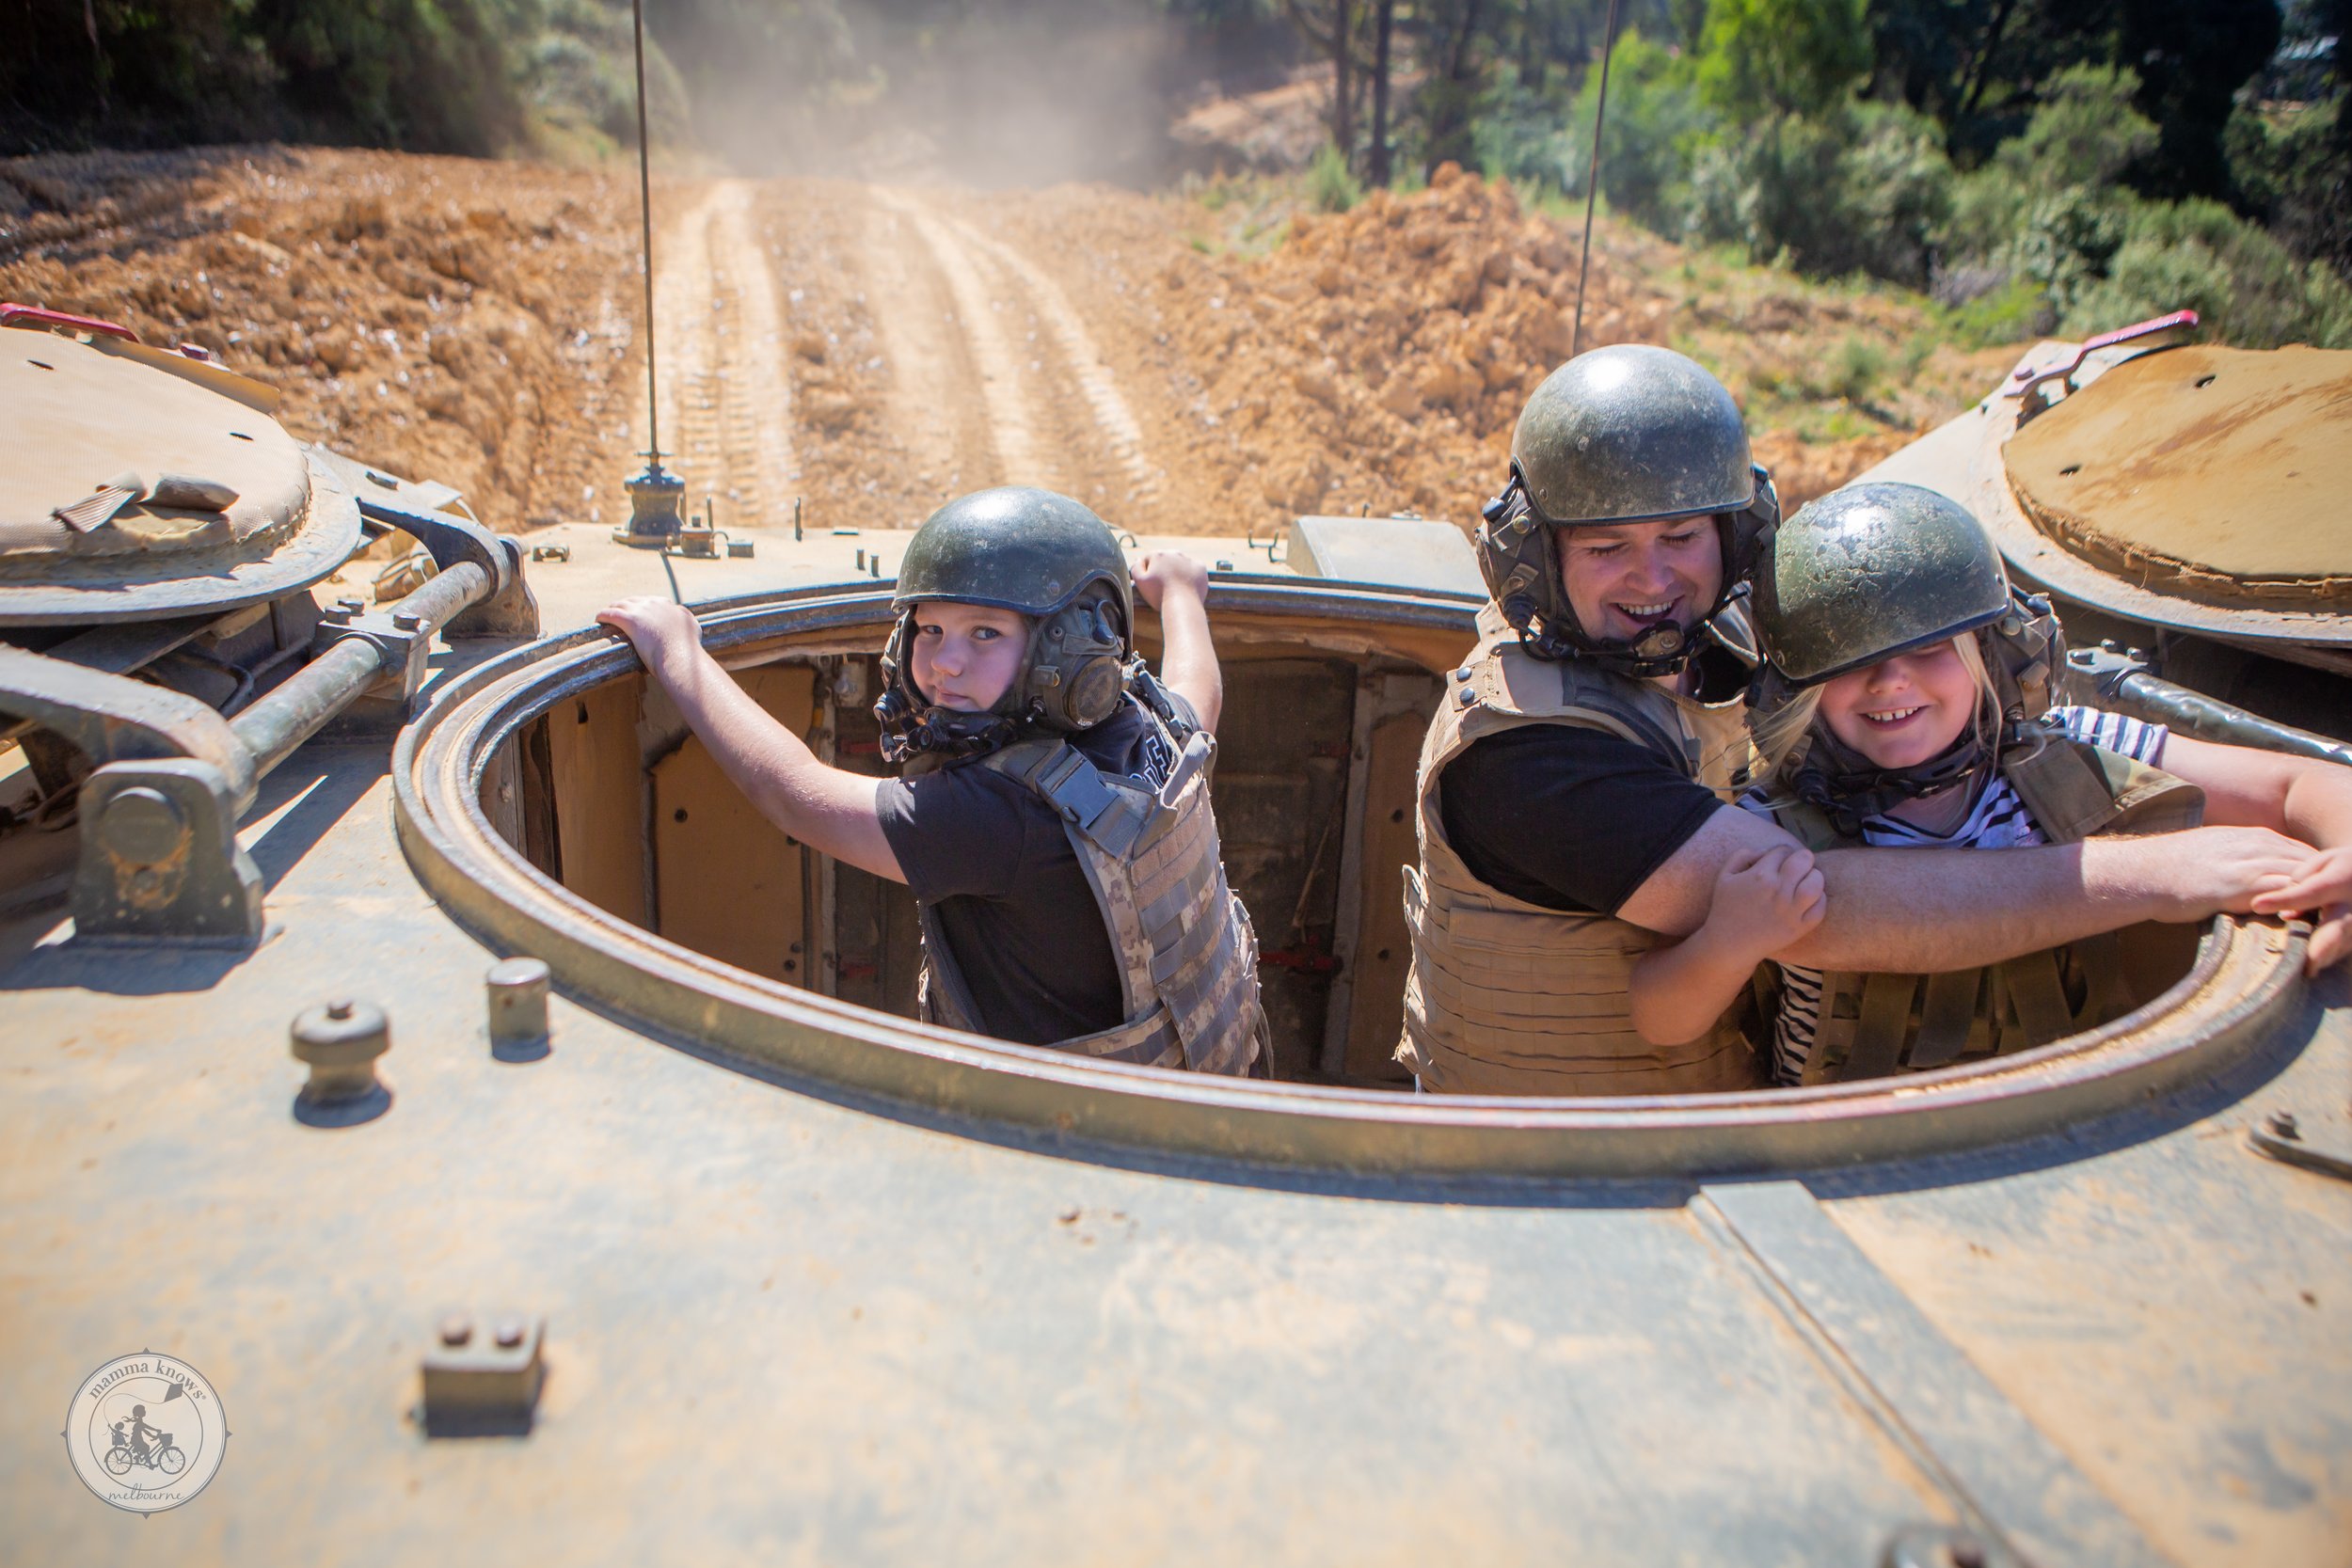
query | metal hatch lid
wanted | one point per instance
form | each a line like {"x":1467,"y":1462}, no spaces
{"x":82,"y":413}
{"x":2217,"y":474}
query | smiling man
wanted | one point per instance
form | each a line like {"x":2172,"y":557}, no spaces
{"x":1575,"y":785}
{"x":1053,"y":817}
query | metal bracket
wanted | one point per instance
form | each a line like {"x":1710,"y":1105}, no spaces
{"x":509,"y":610}
{"x":114,"y":719}
{"x":484,"y":1381}
{"x":160,"y":859}
{"x":2032,"y":383}
{"x":2292,"y":1141}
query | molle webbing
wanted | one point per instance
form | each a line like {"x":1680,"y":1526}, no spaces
{"x":1187,"y":956}
{"x":1507,"y":997}
{"x":1877,"y":1024}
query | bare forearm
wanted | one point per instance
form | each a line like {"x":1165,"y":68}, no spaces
{"x":1678,"y":991}
{"x":1926,"y":911}
{"x":1188,"y":663}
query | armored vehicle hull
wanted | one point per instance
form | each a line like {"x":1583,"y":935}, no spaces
{"x":730,"y":1260}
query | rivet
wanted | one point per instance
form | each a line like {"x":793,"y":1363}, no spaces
{"x":456,"y":1329}
{"x":517,"y":991}
{"x":509,"y":1332}
{"x":1469,"y":697}
{"x":338,"y":1010}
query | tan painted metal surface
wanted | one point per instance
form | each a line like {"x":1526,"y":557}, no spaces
{"x":2219,"y":474}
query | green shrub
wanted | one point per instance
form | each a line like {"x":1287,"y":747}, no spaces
{"x":2198,"y":255}
{"x":1330,"y":185}
{"x":1866,"y":189}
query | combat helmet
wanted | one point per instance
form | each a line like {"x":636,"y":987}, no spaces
{"x":1626,"y":434}
{"x":1022,"y":548}
{"x":1875,"y":570}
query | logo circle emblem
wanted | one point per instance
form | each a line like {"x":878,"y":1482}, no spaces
{"x":145,"y":1431}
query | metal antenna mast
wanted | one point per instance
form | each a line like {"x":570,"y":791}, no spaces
{"x":1592,"y":175}
{"x":644,"y":213}
{"x":655,"y":495}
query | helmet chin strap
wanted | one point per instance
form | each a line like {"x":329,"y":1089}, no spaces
{"x":1659,"y":651}
{"x":1849,"y":786}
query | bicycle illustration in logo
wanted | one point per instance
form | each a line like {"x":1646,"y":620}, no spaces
{"x":143,"y":1446}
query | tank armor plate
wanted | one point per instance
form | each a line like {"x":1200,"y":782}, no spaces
{"x":2216,"y":474}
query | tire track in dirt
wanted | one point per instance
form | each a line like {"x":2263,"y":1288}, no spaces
{"x":1085,"y":364}
{"x":726,"y":403}
{"x":1001,"y":387}
{"x":1053,"y":411}
{"x":934,"y":409}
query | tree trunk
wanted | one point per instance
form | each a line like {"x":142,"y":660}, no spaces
{"x":1384,"y":20}
{"x":1342,"y":77}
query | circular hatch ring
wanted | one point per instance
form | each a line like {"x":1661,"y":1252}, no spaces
{"x":2246,"y":979}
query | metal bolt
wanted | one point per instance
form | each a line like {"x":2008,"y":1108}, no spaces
{"x":406,"y":620}
{"x":352,"y":607}
{"x":509,"y":1332}
{"x":2284,"y":1124}
{"x":341,"y":1041}
{"x":861,"y":561}
{"x":456,"y":1329}
{"x":519,"y":1007}
{"x":142,"y":825}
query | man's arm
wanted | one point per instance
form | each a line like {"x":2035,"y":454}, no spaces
{"x":1176,"y":586}
{"x":1926,"y":911}
{"x":2304,"y":796}
{"x":829,"y":809}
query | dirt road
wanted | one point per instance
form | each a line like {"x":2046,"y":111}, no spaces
{"x":869,"y":351}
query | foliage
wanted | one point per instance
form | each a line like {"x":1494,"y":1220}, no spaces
{"x":1329,"y":184}
{"x":1865,"y":189}
{"x":1761,"y":59}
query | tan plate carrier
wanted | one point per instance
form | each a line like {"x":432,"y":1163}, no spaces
{"x":1872,"y":1025}
{"x":1187,"y":955}
{"x":1508,"y":997}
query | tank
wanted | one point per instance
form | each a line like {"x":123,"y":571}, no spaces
{"x":543,"y":1159}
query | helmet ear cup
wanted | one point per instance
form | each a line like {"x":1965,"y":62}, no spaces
{"x":1077,"y":666}
{"x":1093,"y":694}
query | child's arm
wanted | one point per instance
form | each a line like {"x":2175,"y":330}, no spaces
{"x":2301,"y":797}
{"x":1176,"y":586}
{"x":1763,"y":902}
{"x":829,"y":809}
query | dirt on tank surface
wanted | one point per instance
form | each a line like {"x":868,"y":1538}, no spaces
{"x":2217,"y":473}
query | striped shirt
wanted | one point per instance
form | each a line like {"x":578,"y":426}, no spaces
{"x":1997,"y":820}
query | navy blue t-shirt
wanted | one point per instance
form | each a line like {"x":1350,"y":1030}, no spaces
{"x":985,"y":854}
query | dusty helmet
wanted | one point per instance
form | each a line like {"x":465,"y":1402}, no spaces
{"x":1626,"y":434}
{"x":1871,"y":571}
{"x":1025,"y":549}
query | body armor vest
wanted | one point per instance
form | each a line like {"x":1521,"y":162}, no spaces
{"x":1187,"y":956}
{"x":1508,"y":997}
{"x":1872,"y":1025}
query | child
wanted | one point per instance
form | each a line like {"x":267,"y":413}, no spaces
{"x":1053,"y":821}
{"x":1905,"y":702}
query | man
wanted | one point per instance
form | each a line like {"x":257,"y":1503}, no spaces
{"x":1575,"y":788}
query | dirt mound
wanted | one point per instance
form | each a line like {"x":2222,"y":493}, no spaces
{"x":1379,"y":357}
{"x":437,"y":316}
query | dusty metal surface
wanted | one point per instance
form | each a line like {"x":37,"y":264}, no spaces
{"x":1963,"y":459}
{"x":785,"y":1315}
{"x":2209,"y":473}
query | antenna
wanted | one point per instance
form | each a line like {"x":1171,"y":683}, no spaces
{"x":1592,"y":178}
{"x":655,"y":493}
